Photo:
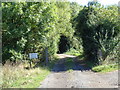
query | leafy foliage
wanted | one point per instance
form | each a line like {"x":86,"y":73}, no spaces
{"x":98,"y":27}
{"x":34,"y":26}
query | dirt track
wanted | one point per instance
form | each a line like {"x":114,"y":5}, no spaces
{"x":80,"y":77}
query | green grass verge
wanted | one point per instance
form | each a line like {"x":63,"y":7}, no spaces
{"x":18,"y":77}
{"x":105,"y":68}
{"x":73,"y":52}
{"x":31,"y":81}
{"x":15,"y":77}
{"x":102,"y":68}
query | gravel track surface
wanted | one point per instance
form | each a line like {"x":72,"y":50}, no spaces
{"x":80,"y":77}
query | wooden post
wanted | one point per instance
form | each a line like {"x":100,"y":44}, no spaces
{"x":46,"y":55}
{"x":30,"y":62}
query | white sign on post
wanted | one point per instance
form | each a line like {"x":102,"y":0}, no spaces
{"x":33,"y":55}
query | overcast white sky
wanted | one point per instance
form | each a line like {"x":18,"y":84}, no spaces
{"x":103,"y":2}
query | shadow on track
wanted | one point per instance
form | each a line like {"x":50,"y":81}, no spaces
{"x":76,"y":64}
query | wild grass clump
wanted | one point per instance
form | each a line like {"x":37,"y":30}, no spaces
{"x":70,"y":70}
{"x":18,"y":77}
{"x":105,"y":68}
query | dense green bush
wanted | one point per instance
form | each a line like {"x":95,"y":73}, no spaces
{"x":98,"y":27}
{"x":33,"y":27}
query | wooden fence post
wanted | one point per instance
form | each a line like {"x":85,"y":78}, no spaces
{"x":46,"y":56}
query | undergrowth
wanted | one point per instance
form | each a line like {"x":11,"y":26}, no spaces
{"x":20,"y":77}
{"x":105,"y":68}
